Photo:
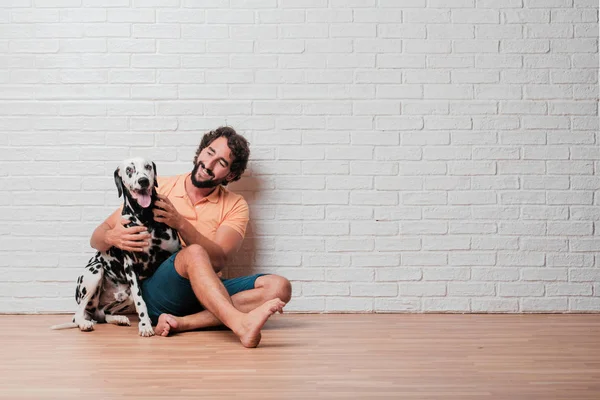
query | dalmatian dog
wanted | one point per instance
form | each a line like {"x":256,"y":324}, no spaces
{"x":110,"y":283}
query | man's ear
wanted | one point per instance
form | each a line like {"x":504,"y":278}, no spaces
{"x":230,"y":177}
{"x":119,"y":182}
{"x":155,"y":175}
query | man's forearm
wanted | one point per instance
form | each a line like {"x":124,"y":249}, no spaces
{"x":99,"y":238}
{"x":190,"y":235}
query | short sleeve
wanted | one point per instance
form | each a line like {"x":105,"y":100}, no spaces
{"x":238,"y":216}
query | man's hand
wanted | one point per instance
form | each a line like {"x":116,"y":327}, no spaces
{"x":165,"y":212}
{"x":134,"y":238}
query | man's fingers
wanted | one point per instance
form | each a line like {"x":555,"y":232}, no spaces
{"x":133,"y":246}
{"x":136,"y":238}
{"x":136,"y":229}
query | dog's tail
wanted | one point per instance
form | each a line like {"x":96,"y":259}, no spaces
{"x":68,"y":325}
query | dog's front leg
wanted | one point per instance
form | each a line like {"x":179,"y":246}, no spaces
{"x":145,"y":325}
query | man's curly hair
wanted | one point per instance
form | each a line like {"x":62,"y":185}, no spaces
{"x":239,"y":146}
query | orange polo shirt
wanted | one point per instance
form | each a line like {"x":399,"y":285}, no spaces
{"x":221,"y":207}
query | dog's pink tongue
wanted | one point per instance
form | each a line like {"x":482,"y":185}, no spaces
{"x":144,"y":200}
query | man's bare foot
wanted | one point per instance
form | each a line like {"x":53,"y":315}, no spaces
{"x":166,"y":324}
{"x":254,"y":321}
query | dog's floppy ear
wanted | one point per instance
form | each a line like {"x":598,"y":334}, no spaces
{"x":155,"y":175}
{"x":119,"y":182}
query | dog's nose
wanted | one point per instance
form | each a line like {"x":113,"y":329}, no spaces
{"x":144,"y":182}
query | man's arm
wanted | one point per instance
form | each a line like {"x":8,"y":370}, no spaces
{"x":227,"y":243}
{"x":227,"y":240}
{"x":112,"y":232}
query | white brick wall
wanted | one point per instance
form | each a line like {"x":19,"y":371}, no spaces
{"x":407,"y":156}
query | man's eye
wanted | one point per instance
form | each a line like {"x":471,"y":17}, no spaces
{"x":223,"y":164}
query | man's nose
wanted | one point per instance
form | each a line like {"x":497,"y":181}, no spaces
{"x":144,"y":182}
{"x":210,"y":164}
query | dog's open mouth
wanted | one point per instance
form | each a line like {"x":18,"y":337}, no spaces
{"x":143,"y":197}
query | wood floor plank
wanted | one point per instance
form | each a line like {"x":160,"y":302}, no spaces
{"x":342,"y":356}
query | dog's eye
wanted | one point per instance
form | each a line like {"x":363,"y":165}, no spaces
{"x":148,"y":167}
{"x":129,"y":170}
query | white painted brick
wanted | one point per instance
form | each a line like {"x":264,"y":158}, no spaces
{"x":544,"y":274}
{"x":471,"y":289}
{"x":472,"y":197}
{"x":397,"y":183}
{"x":445,"y":212}
{"x":422,"y":168}
{"x":397,"y":213}
{"x":584,"y":304}
{"x":397,"y":305}
{"x":424,"y":198}
{"x":569,"y":260}
{"x":494,"y":243}
{"x":422,"y":289}
{"x":494,"y":305}
{"x":325,"y":289}
{"x":568,"y":198}
{"x":448,"y":304}
{"x":348,"y":304}
{"x":373,"y":124}
{"x":349,"y":275}
{"x":520,"y":289}
{"x":585,"y":30}
{"x":545,"y":213}
{"x":541,"y":244}
{"x":472,"y":258}
{"x":476,"y":16}
{"x":447,"y":243}
{"x":569,"y":289}
{"x":395,"y":274}
{"x":423,"y":227}
{"x":424,"y":259}
{"x":584,"y":275}
{"x":504,"y":274}
{"x":585,"y":245}
{"x":570,"y":228}
{"x":446,"y":274}
{"x":374,"y":289}
{"x":472,"y":227}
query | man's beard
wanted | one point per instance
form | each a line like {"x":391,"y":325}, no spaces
{"x":204,"y":184}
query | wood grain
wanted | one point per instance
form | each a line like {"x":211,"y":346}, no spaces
{"x":342,"y":356}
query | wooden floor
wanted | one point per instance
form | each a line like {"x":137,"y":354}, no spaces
{"x":368,"y":356}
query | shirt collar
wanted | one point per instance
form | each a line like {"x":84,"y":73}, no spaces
{"x":179,"y":190}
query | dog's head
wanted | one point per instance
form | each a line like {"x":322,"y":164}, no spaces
{"x":137,"y":177}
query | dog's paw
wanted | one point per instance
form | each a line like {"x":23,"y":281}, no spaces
{"x":146,"y":329}
{"x":86,"y":326}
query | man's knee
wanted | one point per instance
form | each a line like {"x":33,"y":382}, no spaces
{"x":192,"y":256}
{"x":277,"y":287}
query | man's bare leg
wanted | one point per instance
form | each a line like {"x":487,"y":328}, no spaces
{"x":193,"y":264}
{"x":267,"y":287}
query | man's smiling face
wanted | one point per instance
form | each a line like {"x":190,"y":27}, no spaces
{"x":213,"y":166}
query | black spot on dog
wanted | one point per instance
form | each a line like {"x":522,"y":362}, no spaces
{"x":141,"y":315}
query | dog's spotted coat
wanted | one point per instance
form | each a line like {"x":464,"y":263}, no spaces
{"x":111,"y":280}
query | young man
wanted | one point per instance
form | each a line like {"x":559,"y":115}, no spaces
{"x":185,"y":292}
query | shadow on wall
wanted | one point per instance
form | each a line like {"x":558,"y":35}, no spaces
{"x":252,"y":186}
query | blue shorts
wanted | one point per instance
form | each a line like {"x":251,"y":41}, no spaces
{"x":168,"y":292}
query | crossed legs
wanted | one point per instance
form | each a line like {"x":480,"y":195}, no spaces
{"x":245,"y":313}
